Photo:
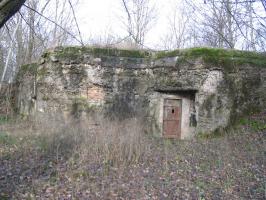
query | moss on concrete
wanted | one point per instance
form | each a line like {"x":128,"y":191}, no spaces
{"x":121,"y":52}
{"x":228,"y":59}
{"x":30,"y":69}
{"x":218,"y":57}
{"x":41,"y":72}
{"x":80,"y":104}
{"x":74,"y":52}
{"x":165,"y":54}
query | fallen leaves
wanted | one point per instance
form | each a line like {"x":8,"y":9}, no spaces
{"x":232,"y":167}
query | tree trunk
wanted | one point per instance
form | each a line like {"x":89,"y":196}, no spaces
{"x":8,"y":8}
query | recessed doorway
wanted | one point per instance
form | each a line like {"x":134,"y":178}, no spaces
{"x":172,"y":113}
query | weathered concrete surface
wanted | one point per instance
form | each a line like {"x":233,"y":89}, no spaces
{"x":123,"y":84}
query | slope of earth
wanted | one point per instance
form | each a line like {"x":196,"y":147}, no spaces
{"x":231,"y":166}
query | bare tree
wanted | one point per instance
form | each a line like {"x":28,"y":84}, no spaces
{"x":230,"y":23}
{"x":217,"y":24}
{"x":34,"y":33}
{"x":179,"y":27}
{"x":141,"y":15}
{"x":28,"y":33}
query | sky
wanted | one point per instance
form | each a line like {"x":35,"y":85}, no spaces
{"x":99,"y":17}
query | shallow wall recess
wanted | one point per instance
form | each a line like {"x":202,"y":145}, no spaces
{"x":176,"y":115}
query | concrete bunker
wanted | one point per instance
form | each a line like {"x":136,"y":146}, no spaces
{"x":176,"y":94}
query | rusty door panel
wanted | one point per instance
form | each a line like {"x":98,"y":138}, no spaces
{"x":172,"y":118}
{"x":171,"y":128}
{"x":171,"y":113}
{"x":172,"y":102}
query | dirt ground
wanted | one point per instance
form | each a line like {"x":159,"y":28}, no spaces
{"x":229,"y":166}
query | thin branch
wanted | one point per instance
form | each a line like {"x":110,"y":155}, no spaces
{"x":8,"y":32}
{"x":236,"y":2}
{"x":238,"y":25}
{"x":42,"y":10}
{"x":74,"y":15}
{"x":129,"y":21}
{"x":119,"y":41}
{"x":72,"y":35}
{"x":32,"y":29}
{"x":264,"y":4}
{"x":127,"y":11}
{"x":223,"y":37}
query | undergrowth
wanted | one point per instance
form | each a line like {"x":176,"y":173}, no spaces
{"x":113,"y":142}
{"x":253,"y":123}
{"x":7,"y":139}
{"x":50,"y":157}
{"x":4,"y":119}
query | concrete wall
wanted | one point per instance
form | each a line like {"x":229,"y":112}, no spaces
{"x":125,"y":84}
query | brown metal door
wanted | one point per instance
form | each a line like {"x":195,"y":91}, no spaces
{"x":172,"y":118}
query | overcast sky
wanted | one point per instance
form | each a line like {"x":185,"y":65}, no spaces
{"x":97,"y":17}
{"x":100,"y":17}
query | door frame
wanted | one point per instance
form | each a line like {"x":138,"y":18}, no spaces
{"x":180,"y":121}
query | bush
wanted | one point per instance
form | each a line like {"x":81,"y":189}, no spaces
{"x":112,"y":142}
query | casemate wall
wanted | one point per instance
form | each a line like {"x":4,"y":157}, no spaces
{"x":177,"y":94}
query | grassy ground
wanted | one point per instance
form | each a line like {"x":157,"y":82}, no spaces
{"x":72,"y":162}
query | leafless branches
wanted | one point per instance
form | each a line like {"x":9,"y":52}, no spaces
{"x":140,"y":16}
{"x":230,"y":23}
{"x":37,"y":28}
{"x":74,"y":15}
{"x":61,"y":27}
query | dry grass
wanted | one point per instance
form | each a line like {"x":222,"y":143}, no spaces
{"x":118,"y":143}
{"x":53,"y":158}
